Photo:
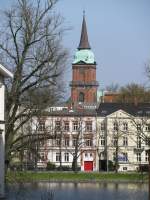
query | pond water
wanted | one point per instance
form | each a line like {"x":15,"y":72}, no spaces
{"x":77,"y":191}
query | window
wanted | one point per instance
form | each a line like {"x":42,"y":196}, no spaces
{"x":88,"y":142}
{"x":57,"y":125}
{"x":115,"y":141}
{"x":125,"y":141}
{"x":42,"y":156}
{"x":86,"y":155}
{"x":75,"y":126}
{"x":66,"y":126}
{"x":125,"y":157}
{"x":41,"y":126}
{"x":138,"y":127}
{"x":115,"y":126}
{"x":114,"y":156}
{"x":138,"y":142}
{"x":104,"y":112}
{"x":102,"y":126}
{"x":102,"y":140}
{"x":147,"y":127}
{"x":140,"y":112}
{"x":66,"y":142}
{"x":88,"y":126}
{"x":146,"y":156}
{"x":81,"y":97}
{"x":125,"y":168}
{"x":41,"y":142}
{"x":147,"y":141}
{"x":148,"y":112}
{"x":57,"y":142}
{"x":66,"y":157}
{"x":74,"y":142}
{"x":57,"y":157}
{"x":138,"y":157}
{"x":102,"y":155}
{"x":125,"y":126}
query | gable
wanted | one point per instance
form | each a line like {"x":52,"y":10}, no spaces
{"x":120,"y":114}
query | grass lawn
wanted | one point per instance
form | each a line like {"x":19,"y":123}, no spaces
{"x":70,"y":176}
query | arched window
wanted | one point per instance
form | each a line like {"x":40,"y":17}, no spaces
{"x":81,"y":97}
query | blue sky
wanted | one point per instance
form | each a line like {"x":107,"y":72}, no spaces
{"x":119,"y":34}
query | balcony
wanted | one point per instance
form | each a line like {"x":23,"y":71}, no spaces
{"x":138,"y":150}
{"x":84,"y":84}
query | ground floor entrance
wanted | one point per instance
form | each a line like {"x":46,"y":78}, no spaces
{"x":88,"y":165}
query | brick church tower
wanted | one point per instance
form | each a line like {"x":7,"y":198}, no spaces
{"x":84,"y":85}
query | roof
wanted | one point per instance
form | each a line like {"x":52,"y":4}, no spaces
{"x":72,"y":113}
{"x":5,"y":72}
{"x":84,"y":42}
{"x":141,"y":109}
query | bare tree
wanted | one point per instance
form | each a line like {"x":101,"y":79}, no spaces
{"x":77,"y":143}
{"x":113,"y":87}
{"x":81,"y":142}
{"x":113,"y":134}
{"x":30,"y":45}
{"x":119,"y":132}
{"x":133,"y":93}
{"x":141,"y":125}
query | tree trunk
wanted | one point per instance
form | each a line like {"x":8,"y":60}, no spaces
{"x":116,"y":159}
{"x":74,"y":164}
{"x":60,"y":152}
{"x":75,"y":159}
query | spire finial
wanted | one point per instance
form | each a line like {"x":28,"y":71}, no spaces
{"x":83,"y":13}
{"x":84,"y":43}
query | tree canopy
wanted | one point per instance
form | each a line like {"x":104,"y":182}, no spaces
{"x":31,"y":47}
{"x":133,"y":93}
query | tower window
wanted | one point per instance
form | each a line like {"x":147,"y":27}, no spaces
{"x":81,"y":97}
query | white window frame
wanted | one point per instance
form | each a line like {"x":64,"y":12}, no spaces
{"x":138,"y":157}
{"x":57,"y":157}
{"x":88,"y":126}
{"x":66,"y":157}
{"x":125,"y":126}
{"x":66,"y":126}
{"x":125,"y":141}
{"x":75,"y":126}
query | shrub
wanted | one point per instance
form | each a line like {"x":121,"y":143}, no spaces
{"x":64,"y":168}
{"x":50,"y":166}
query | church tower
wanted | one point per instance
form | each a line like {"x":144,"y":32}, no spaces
{"x":84,"y":84}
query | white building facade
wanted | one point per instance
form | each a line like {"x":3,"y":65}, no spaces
{"x":113,"y":132}
{"x":70,"y":133}
{"x":123,"y":134}
{"x":4,"y":73}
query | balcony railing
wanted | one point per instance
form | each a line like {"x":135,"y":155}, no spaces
{"x":138,"y":150}
{"x":84,"y":84}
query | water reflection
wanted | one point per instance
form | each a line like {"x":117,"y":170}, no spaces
{"x":79,"y":191}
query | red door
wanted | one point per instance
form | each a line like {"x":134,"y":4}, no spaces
{"x":88,"y":165}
